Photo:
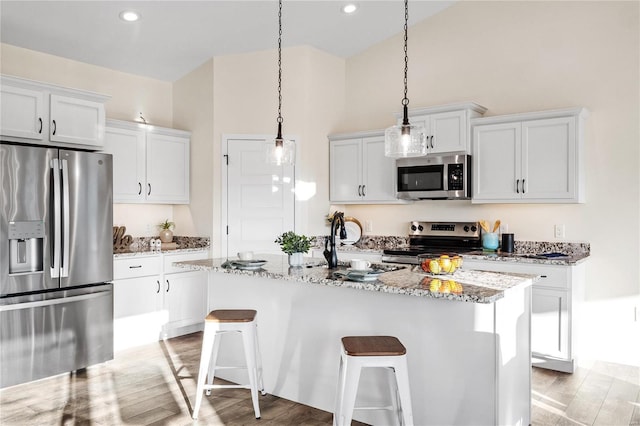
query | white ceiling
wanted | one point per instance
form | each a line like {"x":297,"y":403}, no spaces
{"x":174,"y":37}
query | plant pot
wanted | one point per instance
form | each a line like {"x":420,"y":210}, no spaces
{"x":166,"y":235}
{"x":296,"y":259}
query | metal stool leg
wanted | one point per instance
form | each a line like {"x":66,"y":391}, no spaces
{"x":205,"y":355}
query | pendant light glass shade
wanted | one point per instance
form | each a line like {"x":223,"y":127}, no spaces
{"x":405,"y":140}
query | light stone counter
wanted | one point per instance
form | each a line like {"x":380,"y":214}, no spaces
{"x":476,"y":286}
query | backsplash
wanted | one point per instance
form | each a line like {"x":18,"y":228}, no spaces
{"x":376,"y":242}
{"x":142,"y":243}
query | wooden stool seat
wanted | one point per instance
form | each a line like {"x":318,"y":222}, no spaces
{"x":373,"y":346}
{"x":231,"y":315}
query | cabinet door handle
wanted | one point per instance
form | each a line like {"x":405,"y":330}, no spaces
{"x":518,"y":186}
{"x":54,"y":126}
{"x":149,"y":193}
{"x":40,"y":120}
{"x":431,"y":141}
{"x":364,"y":194}
{"x":523,"y":187}
{"x":139,"y":188}
{"x":158,"y":290}
{"x":167,"y":286}
{"x":359,"y":190}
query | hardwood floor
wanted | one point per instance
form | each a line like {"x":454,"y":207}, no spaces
{"x":155,"y":385}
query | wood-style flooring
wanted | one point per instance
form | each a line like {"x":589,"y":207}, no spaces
{"x":155,"y":385}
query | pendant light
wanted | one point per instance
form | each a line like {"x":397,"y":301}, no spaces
{"x":405,"y":140}
{"x":280,"y":151}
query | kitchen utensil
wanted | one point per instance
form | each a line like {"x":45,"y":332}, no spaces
{"x":496,"y":225}
{"x":484,"y":225}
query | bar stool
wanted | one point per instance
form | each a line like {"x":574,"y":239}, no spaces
{"x":217,"y":323}
{"x":372,"y":351}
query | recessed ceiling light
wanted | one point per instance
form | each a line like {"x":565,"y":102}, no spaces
{"x":349,"y":8}
{"x":129,"y":15}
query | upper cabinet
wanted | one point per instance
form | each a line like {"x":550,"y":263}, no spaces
{"x":150,"y":163}
{"x":46,"y":114}
{"x":359,"y":172}
{"x":529,"y":158}
{"x":447,"y":126}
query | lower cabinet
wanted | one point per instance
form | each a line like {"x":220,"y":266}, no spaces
{"x":554,"y":299}
{"x":154,"y":300}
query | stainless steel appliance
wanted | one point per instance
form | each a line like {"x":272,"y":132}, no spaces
{"x":435,"y":238}
{"x":434,"y":177}
{"x":56,"y":261}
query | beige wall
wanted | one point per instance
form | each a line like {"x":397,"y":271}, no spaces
{"x":193,"y":110}
{"x":245,"y":102}
{"x":529,"y":56}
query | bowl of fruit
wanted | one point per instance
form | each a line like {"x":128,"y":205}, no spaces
{"x":442,"y":265}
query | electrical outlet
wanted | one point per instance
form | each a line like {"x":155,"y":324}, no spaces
{"x":148,"y":229}
{"x":368,"y":226}
{"x":558,"y":231}
{"x":504,"y":228}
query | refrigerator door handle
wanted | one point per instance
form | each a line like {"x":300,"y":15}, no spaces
{"x":64,"y":263}
{"x":55,"y":220}
{"x":51,"y":302}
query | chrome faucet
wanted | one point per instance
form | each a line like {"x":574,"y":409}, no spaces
{"x":330,"y":252}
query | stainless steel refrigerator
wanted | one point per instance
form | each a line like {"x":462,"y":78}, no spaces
{"x":56,"y":261}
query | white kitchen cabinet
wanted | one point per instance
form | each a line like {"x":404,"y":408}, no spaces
{"x":554,"y":299}
{"x":359,"y":171}
{"x":154,"y":300}
{"x":49,"y":114}
{"x":150,"y":164}
{"x":185,"y":295}
{"x":447,"y":126}
{"x":529,"y":158}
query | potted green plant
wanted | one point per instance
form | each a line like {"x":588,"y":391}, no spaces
{"x":166,"y":235}
{"x":295,"y":246}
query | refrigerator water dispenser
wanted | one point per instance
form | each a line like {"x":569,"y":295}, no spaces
{"x":25,"y":247}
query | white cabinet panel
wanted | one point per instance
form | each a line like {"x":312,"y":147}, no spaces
{"x":549,"y":322}
{"x":529,"y":158}
{"x":149,"y":165}
{"x":38,"y":112}
{"x":359,"y":171}
{"x":76,"y":121}
{"x":446,"y":126}
{"x":22,"y":113}
{"x":136,"y":266}
{"x":185,"y":298}
{"x":128,"y":150}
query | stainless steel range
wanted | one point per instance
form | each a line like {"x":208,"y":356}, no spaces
{"x":436,"y":238}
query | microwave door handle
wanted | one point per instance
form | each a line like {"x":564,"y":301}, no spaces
{"x":64,"y":264}
{"x":55,"y":219}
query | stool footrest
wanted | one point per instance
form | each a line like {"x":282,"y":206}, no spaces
{"x":386,"y":407}
{"x":230,"y":367}
{"x":226,"y":387}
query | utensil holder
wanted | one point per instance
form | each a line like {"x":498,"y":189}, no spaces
{"x":490,"y":241}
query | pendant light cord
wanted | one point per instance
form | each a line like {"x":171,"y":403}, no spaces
{"x":280,"y":70}
{"x":405,"y":100}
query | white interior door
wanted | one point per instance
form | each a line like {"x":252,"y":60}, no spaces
{"x":259,"y":197}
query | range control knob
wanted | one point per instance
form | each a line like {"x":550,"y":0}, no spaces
{"x":413,"y":227}
{"x":473,"y":228}
{"x":466,"y":228}
{"x":420,"y":228}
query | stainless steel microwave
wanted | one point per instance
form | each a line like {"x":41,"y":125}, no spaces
{"x":434,"y":178}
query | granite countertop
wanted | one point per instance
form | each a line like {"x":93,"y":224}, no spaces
{"x":530,"y":258}
{"x":146,"y":253}
{"x":475,"y":286}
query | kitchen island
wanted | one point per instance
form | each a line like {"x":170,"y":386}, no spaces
{"x":468,"y":352}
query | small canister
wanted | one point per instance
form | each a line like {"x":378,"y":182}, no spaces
{"x":507,"y":243}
